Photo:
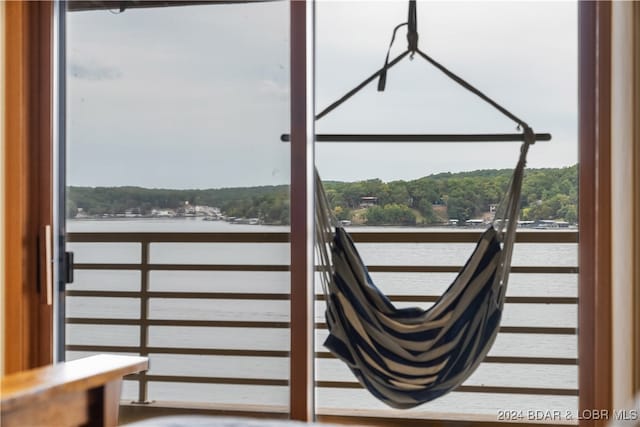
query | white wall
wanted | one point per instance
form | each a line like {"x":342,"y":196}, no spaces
{"x":624,"y":194}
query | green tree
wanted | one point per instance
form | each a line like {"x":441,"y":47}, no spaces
{"x":390,"y":214}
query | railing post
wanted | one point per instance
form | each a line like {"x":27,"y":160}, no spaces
{"x":144,"y":317}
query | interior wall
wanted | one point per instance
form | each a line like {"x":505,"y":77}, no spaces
{"x":624,"y":201}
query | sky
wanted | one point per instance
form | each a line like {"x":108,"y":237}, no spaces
{"x":197,"y":97}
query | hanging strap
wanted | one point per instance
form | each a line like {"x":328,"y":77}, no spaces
{"x":325,"y":222}
{"x":412,"y":24}
{"x":472,"y":89}
{"x":357,"y":89}
{"x":506,"y":219}
{"x":382,"y":82}
{"x":521,"y":124}
{"x":412,"y":40}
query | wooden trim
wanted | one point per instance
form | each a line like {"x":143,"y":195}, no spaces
{"x":92,"y":5}
{"x":17,"y":321}
{"x":82,"y":392}
{"x":603,"y":341}
{"x":636,"y":191}
{"x":27,"y":176}
{"x":39,"y":169}
{"x":594,"y":311}
{"x":3,"y":185}
{"x":301,"y":363}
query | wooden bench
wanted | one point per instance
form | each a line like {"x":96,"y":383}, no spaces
{"x":84,"y":392}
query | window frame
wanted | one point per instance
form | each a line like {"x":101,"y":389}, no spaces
{"x":28,"y":198}
{"x":27,"y":174}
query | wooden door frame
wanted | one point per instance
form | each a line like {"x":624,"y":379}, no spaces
{"x":301,"y":373}
{"x":28,"y":206}
{"x":27,"y":169}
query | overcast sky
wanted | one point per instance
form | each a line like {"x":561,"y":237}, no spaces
{"x":197,"y":97}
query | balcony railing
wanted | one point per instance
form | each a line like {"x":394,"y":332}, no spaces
{"x":239,"y":350}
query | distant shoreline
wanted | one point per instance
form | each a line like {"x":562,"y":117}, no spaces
{"x":571,"y":227}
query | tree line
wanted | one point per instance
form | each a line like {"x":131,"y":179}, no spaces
{"x":549,"y":193}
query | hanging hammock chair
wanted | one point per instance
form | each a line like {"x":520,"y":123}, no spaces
{"x":409,"y":356}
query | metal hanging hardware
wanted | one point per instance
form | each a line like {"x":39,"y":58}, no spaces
{"x":412,"y":49}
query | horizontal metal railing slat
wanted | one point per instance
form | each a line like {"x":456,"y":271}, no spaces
{"x":178,"y":237}
{"x":179,"y":351}
{"x":358,"y":237}
{"x":216,"y":380}
{"x":472,"y":389}
{"x":182,"y":267}
{"x":286,"y":297}
{"x":181,"y":295}
{"x":278,"y":325}
{"x":347,"y":384}
{"x":281,"y":353}
{"x":284,"y":268}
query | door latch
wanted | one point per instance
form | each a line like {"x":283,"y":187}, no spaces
{"x":67,"y":274}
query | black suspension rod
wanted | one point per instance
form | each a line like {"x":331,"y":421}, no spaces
{"x":482,"y":137}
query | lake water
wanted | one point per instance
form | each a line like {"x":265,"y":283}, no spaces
{"x":454,"y":405}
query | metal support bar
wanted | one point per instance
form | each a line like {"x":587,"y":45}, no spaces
{"x":483,"y":137}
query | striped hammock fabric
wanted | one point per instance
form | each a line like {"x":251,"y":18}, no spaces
{"x":409,"y":356}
